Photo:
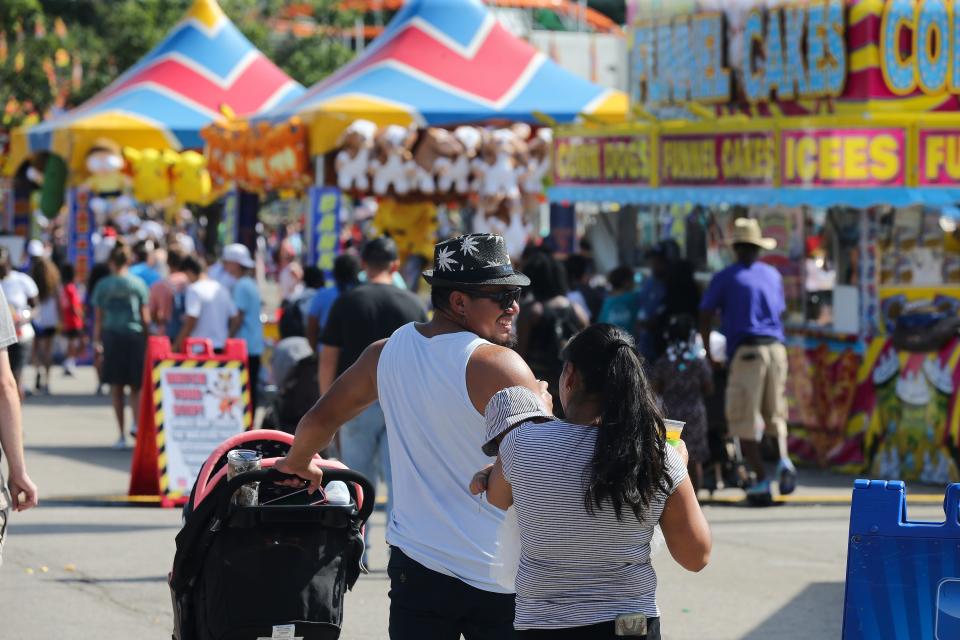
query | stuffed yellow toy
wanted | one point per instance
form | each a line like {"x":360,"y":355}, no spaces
{"x":106,"y":181}
{"x":151,"y":173}
{"x":413,"y":226}
{"x":191,"y":180}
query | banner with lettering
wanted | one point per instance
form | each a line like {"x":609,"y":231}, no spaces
{"x":323,"y":228}
{"x":80,"y":233}
{"x":938,"y":151}
{"x":603,"y":159}
{"x":861,"y":156}
{"x":736,"y":158}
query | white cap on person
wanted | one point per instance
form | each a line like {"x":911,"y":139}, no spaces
{"x":35,"y":248}
{"x":239,"y":254}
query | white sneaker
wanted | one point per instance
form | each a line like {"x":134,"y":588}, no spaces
{"x":121,"y":443}
{"x":133,"y":431}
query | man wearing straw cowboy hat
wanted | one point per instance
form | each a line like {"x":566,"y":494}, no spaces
{"x":433,"y":381}
{"x":749,"y":295}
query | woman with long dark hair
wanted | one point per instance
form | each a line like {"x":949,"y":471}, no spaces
{"x":47,"y":318}
{"x":588,"y":493}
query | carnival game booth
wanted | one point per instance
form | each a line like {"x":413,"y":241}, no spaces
{"x":138,"y":138}
{"x":446,"y":105}
{"x":846,"y":151}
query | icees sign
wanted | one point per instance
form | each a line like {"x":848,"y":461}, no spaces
{"x":794,"y":51}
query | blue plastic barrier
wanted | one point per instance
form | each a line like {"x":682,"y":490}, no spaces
{"x":903,"y":578}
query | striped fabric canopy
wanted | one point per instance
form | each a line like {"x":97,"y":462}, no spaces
{"x":445,"y":62}
{"x":167,"y":97}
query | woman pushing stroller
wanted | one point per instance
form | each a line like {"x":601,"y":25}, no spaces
{"x":588,"y":493}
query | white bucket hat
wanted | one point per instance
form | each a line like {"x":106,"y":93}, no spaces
{"x":508,"y":408}
{"x":238,"y":253}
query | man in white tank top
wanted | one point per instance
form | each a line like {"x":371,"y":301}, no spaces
{"x":433,"y":381}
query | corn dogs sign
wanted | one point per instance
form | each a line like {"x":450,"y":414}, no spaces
{"x":602,"y":160}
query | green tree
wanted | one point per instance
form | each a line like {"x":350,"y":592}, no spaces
{"x":103,"y":39}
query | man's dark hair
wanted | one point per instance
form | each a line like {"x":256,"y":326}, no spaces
{"x":119,"y":256}
{"x":746,"y":252}
{"x":192,"y":264}
{"x":67,"y":272}
{"x":175,"y":259}
{"x":577,"y":266}
{"x":379,"y":253}
{"x":346,"y":271}
{"x":313,"y":277}
{"x":440,"y":297}
{"x":620,"y":277}
{"x":142,"y":249}
{"x":547,"y":277}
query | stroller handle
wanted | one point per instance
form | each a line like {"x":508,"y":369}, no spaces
{"x":271,"y":474}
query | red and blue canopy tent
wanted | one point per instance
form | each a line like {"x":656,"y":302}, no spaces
{"x":447,"y":62}
{"x":164,"y":100}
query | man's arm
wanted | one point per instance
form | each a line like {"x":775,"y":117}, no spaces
{"x":313,"y":331}
{"x":189,"y":324}
{"x":235,"y":323}
{"x":11,"y":439}
{"x":493,"y":368}
{"x":350,"y":394}
{"x":327,"y":364}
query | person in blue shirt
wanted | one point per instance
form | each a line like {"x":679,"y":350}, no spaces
{"x":246,"y":325}
{"x":143,"y":252}
{"x":620,"y":306}
{"x":346,"y":275}
{"x":650,"y":299}
{"x":749,"y":296}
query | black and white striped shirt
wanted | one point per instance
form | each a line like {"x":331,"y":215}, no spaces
{"x":575,"y":569}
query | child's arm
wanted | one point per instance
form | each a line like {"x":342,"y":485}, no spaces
{"x":499,"y":491}
{"x":491,"y":480}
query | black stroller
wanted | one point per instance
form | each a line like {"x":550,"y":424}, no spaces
{"x":279,"y":569}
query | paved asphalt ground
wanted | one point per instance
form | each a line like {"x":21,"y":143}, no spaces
{"x":82,"y":572}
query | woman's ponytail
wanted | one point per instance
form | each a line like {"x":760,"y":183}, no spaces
{"x":629,"y":462}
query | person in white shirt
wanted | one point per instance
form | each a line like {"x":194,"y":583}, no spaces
{"x":208,"y":307}
{"x":21,"y":292}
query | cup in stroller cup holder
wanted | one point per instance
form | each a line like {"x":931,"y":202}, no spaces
{"x":240,"y":461}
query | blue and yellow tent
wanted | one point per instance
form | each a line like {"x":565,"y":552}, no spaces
{"x":446,"y":62}
{"x":164,"y":100}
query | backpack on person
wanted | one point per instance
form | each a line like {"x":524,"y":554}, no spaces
{"x":292,"y":318}
{"x":178,"y":309}
{"x":298,"y":392}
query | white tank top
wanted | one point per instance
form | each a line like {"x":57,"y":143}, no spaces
{"x":435,"y":434}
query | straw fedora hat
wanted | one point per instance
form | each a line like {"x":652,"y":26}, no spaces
{"x":747,"y":231}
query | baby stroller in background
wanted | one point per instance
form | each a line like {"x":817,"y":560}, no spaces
{"x":282,"y":567}
{"x":726,"y":467}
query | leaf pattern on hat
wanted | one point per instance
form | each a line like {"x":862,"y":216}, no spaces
{"x":468,"y":246}
{"x":445,"y":261}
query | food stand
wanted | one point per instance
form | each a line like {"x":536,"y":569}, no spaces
{"x":847,"y":152}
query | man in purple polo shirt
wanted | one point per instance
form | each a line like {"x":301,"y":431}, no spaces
{"x":749,"y":295}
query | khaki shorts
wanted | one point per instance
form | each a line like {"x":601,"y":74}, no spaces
{"x":756,"y":391}
{"x":4,"y":512}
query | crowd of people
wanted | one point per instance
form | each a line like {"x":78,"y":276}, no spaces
{"x":568,"y":374}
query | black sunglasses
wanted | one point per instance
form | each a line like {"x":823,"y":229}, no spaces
{"x":504,"y":298}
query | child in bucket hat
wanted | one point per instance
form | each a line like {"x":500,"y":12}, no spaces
{"x":508,"y":408}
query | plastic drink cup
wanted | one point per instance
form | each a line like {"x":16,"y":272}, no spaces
{"x":241,"y":461}
{"x":674,"y":429}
